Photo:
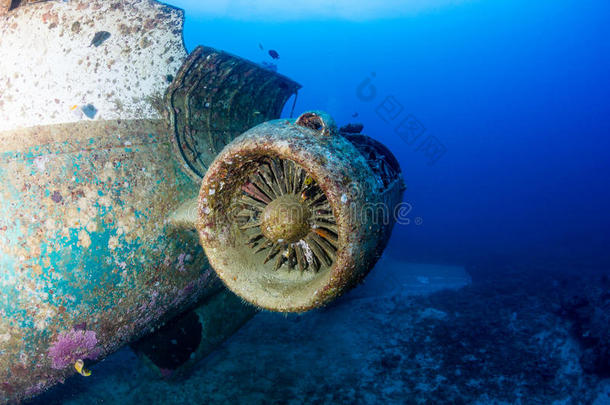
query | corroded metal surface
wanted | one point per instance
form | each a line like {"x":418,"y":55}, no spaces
{"x":380,"y":159}
{"x":389,"y":177}
{"x":93,"y":250}
{"x":109,"y":59}
{"x":100,"y":187}
{"x":354,"y":195}
{"x":85,"y":243}
{"x":216,"y":97}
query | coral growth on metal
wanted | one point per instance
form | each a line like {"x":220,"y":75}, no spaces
{"x":71,"y":346}
{"x":88,"y":180}
{"x":107,"y":127}
{"x":87,"y":59}
{"x":84,"y":240}
{"x":309,"y":199}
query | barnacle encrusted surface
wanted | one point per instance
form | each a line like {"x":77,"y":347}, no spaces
{"x":48,"y":50}
{"x":292,"y":214}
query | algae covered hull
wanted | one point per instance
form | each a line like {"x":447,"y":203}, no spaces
{"x":89,"y":175}
{"x":113,"y":143}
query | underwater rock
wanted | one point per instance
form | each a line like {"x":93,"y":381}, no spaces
{"x":500,"y":343}
{"x":587,"y":305}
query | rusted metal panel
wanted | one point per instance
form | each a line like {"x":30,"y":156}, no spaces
{"x":217,"y":96}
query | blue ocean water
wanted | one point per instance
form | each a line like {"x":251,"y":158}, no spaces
{"x":499,"y":115}
{"x":516,"y":92}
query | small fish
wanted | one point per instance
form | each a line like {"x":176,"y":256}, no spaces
{"x":99,"y":38}
{"x":78,"y":113}
{"x":261,"y":46}
{"x":274,"y":54}
{"x":79,"y":366}
{"x":354,"y":115}
{"x":89,"y":110}
{"x":308,"y":181}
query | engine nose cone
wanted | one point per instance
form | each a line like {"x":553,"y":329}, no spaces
{"x":286,"y":219}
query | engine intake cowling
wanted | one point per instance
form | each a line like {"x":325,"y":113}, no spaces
{"x":292,"y":213}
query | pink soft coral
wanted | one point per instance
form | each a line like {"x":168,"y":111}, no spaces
{"x":71,"y":346}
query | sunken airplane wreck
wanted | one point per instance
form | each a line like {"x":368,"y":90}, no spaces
{"x":136,"y":180}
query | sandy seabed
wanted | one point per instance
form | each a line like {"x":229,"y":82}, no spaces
{"x":412,"y":333}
